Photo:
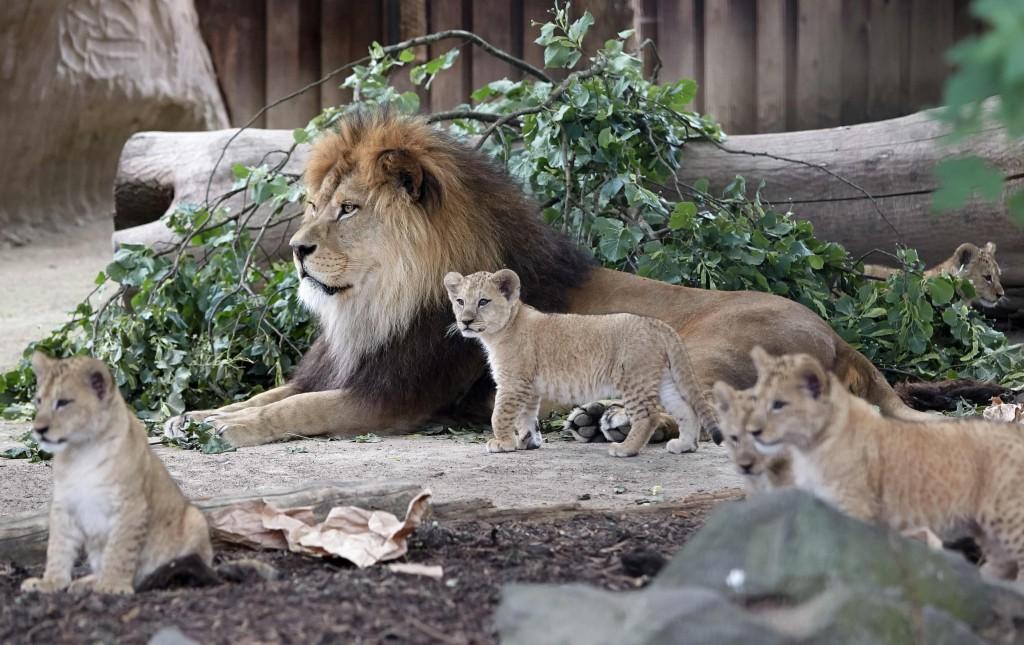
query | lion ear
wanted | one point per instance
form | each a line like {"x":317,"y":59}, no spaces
{"x":990,"y":247}
{"x":812,"y":378}
{"x":762,"y":361}
{"x":406,"y":173}
{"x":507,"y":282}
{"x":965,"y":254}
{"x":452,"y":281}
{"x":723,"y":394}
{"x":99,"y":378}
{"x":41,"y":364}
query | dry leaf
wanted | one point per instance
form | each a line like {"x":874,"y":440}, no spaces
{"x":1005,"y":412}
{"x":434,"y":571}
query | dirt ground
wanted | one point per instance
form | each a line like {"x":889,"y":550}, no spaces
{"x":329,"y":601}
{"x":43,"y":281}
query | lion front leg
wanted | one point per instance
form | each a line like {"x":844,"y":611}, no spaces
{"x":308,"y":414}
{"x":173,"y":427}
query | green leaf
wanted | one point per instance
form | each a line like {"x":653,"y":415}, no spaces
{"x":682,"y":215}
{"x":941,"y":290}
{"x":239,"y":171}
{"x":605,"y":137}
{"x":579,"y":28}
{"x":300,"y":135}
{"x":406,"y":56}
{"x":960,"y":177}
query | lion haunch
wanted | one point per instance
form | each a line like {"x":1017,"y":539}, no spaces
{"x":565,"y":358}
{"x":112,"y":497}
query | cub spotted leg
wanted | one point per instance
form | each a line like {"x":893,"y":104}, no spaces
{"x":640,"y":403}
{"x":514,"y":402}
{"x":62,"y":549}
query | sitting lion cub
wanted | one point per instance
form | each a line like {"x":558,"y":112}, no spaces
{"x":566,"y":358}
{"x":760,"y":472}
{"x":946,"y":475}
{"x":978,"y":266}
{"x":111,"y":495}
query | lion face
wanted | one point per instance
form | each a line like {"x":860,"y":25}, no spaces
{"x":980,"y":267}
{"x":735,"y":408}
{"x":72,"y":400}
{"x":332,"y":249}
{"x":483,"y":302}
{"x":792,"y":405}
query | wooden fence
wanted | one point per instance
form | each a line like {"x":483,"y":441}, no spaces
{"x":763,"y":65}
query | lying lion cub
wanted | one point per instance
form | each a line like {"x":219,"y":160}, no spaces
{"x":946,"y":475}
{"x":978,"y":266}
{"x":760,"y":472}
{"x":111,"y":495}
{"x":566,"y":358}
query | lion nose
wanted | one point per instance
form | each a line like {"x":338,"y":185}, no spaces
{"x":746,"y":468}
{"x":302,"y":250}
{"x":466,"y":322}
{"x":42,"y":431}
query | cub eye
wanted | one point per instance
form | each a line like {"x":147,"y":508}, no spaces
{"x":483,"y":302}
{"x":778,"y":405}
{"x":61,"y":403}
{"x":756,"y":433}
{"x":346,"y":208}
{"x":734,"y":438}
{"x":988,"y":278}
{"x":460,"y":301}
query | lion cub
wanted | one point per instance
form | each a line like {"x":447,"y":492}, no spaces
{"x":566,"y":358}
{"x":760,"y":472}
{"x":946,"y":475}
{"x":111,"y":495}
{"x":978,"y":266}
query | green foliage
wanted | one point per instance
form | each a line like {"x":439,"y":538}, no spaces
{"x":988,"y":65}
{"x":211,"y":322}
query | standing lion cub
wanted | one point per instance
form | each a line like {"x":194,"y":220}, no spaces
{"x":112,"y":496}
{"x":945,"y":475}
{"x":566,"y":358}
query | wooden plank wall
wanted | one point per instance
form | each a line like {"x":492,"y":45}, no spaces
{"x":763,"y":65}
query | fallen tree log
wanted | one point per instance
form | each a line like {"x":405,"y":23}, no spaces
{"x":889,"y":160}
{"x":23,"y":537}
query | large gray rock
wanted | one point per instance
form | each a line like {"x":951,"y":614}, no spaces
{"x":780,"y":568}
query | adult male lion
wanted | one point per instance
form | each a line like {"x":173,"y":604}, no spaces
{"x":394,"y":205}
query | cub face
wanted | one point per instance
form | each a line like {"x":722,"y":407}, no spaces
{"x":793,"y":405}
{"x":979,"y":266}
{"x":73,"y":398}
{"x":483,"y":302}
{"x":735,"y":408}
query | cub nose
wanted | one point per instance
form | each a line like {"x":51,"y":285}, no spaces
{"x":746,"y":468}
{"x":302,"y":250}
{"x":466,"y":322}
{"x":42,"y":431}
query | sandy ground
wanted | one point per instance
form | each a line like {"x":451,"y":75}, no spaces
{"x":40,"y":283}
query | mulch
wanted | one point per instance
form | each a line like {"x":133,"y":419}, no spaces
{"x":321,"y":601}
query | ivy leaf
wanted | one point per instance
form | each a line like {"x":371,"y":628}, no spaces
{"x":682,"y":215}
{"x":941,"y":290}
{"x":961,"y":177}
{"x":605,"y":137}
{"x":579,"y":28}
{"x":406,"y":56}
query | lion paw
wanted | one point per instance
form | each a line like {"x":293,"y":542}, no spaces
{"x":583,"y":422}
{"x":114,"y":587}
{"x":83,"y":585}
{"x":530,"y":440}
{"x":619,"y":450}
{"x":174,"y":428}
{"x":43,"y":585}
{"x":678,"y":446}
{"x":615,"y":423}
{"x":497,"y":445}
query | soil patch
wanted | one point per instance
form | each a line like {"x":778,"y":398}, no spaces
{"x":317,"y":601}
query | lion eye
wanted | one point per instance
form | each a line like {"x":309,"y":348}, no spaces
{"x":61,"y":403}
{"x":733,"y":438}
{"x":756,"y":433}
{"x":483,"y":302}
{"x":460,"y":301}
{"x":346,"y":209}
{"x":778,"y":405}
{"x":988,"y":278}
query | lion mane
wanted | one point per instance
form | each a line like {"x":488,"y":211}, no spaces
{"x":444,"y":207}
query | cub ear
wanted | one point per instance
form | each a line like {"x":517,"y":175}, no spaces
{"x":965,"y":254}
{"x":99,"y":379}
{"x":507,"y":282}
{"x":762,"y":360}
{"x":406,"y":173}
{"x":452,"y":281}
{"x":990,"y":247}
{"x":41,"y":364}
{"x":812,"y":378}
{"x":723,"y":394}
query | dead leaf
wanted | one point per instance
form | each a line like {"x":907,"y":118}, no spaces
{"x":1005,"y":413}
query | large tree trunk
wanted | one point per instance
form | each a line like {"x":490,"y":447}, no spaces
{"x":891,"y":160}
{"x":78,"y":78}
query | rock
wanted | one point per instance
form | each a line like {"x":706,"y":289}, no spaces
{"x":171,"y":636}
{"x":780,"y":568}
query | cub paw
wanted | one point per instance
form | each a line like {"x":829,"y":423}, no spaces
{"x":83,"y":585}
{"x":583,"y":421}
{"x":678,"y":446}
{"x":497,"y":445}
{"x":619,"y":450}
{"x":530,"y":440}
{"x":113,"y":587}
{"x":43,"y":585}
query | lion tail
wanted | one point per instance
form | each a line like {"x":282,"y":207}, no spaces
{"x":689,"y":387}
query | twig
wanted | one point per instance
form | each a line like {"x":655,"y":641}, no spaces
{"x":567,"y":164}
{"x":405,"y":44}
{"x":570,"y":80}
{"x":650,"y":44}
{"x":821,"y":167}
{"x":463,"y":114}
